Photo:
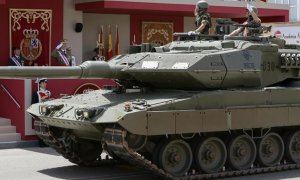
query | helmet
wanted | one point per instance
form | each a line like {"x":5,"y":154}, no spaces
{"x":202,"y":4}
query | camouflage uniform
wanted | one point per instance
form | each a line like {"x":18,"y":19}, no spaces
{"x":203,"y":18}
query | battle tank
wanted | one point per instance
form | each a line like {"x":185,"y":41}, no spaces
{"x":199,"y":107}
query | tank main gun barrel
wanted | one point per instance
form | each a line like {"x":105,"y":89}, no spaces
{"x":87,"y":70}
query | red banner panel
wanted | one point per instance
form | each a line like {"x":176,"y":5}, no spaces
{"x":30,"y":30}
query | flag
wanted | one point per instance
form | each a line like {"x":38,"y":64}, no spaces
{"x":101,"y":42}
{"x":109,"y":51}
{"x":117,"y":45}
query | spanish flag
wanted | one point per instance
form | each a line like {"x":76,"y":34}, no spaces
{"x":109,"y":51}
{"x":117,"y":44}
{"x":101,"y":42}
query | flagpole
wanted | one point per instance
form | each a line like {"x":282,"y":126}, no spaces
{"x":117,"y":42}
{"x":109,"y":53}
{"x":99,"y":39}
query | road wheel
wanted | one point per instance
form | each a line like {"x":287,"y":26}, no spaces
{"x":270,"y":150}
{"x":292,"y":146}
{"x":210,"y":155}
{"x":241,"y":152}
{"x":175,"y":157}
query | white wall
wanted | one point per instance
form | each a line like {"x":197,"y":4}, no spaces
{"x":189,"y":24}
{"x":71,"y":17}
{"x":92,"y":24}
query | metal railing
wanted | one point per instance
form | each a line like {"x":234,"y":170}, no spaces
{"x":10,"y":95}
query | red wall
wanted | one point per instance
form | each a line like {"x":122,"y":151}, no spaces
{"x":57,"y":21}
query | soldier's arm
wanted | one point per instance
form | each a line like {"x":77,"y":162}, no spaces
{"x":236,"y":32}
{"x":204,"y":23}
{"x":201,"y":27}
{"x":255,"y":17}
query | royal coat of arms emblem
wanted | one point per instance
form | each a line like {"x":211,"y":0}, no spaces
{"x":31,"y":46}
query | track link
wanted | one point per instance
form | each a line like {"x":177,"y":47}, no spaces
{"x":44,"y":133}
{"x":115,"y":140}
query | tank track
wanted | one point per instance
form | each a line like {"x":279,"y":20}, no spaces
{"x":44,"y":133}
{"x":115,"y":140}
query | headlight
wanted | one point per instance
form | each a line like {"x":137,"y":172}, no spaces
{"x":85,"y":114}
{"x":44,"y":110}
{"x":88,"y":114}
{"x":47,"y":109}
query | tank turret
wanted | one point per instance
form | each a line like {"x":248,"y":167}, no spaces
{"x":204,"y":64}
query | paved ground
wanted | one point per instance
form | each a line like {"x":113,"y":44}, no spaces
{"x":45,"y":163}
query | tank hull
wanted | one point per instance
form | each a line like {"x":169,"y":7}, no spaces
{"x":179,"y":112}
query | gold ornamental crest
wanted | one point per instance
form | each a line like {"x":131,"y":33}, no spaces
{"x":86,"y":87}
{"x":31,"y":46}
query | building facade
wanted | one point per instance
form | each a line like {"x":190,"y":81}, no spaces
{"x":294,"y":8}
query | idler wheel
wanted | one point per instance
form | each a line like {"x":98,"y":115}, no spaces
{"x":210,"y":155}
{"x":175,"y":157}
{"x":292,"y":145}
{"x":241,"y":152}
{"x":136,"y":142}
{"x":270,"y":150}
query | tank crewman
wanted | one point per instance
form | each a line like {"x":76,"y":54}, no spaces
{"x":16,"y":59}
{"x":42,"y":94}
{"x":252,"y":20}
{"x":203,"y":19}
{"x":63,"y":54}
